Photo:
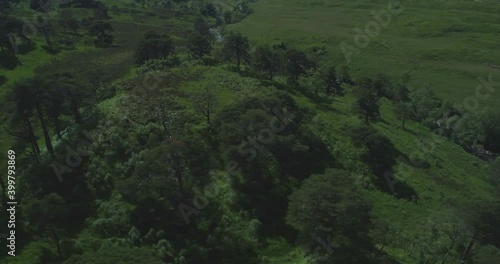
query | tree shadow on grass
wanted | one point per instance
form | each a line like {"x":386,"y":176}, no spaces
{"x":399,"y":189}
{"x":405,"y":191}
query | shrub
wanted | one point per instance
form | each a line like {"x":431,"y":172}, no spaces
{"x":3,"y":79}
{"x":8,"y":60}
{"x":158,"y":65}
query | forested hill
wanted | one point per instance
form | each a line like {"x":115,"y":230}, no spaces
{"x":183,"y":132}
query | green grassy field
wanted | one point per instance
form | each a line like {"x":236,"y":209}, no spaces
{"x":447,"y":45}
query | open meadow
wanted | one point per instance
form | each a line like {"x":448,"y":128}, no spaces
{"x":445,"y":44}
{"x":232,"y":132}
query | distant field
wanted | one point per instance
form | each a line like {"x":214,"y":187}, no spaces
{"x":446,"y":44}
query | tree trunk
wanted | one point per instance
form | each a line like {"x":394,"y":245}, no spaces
{"x":47,"y":37}
{"x":449,"y":249}
{"x":412,"y":247}
{"x":78,"y":116}
{"x":76,"y":110}
{"x":56,"y":240}
{"x":178,"y":176}
{"x":34,"y":143}
{"x":45,"y":129}
{"x":467,"y":250}
{"x":57,"y":127}
{"x":208,"y":117}
{"x":383,"y":243}
{"x":163,"y":120}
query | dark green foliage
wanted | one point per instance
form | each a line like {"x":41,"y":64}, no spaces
{"x":263,"y":136}
{"x":113,"y":220}
{"x":209,"y":10}
{"x":483,"y":216}
{"x":3,"y":79}
{"x":10,"y":29}
{"x":243,"y":9}
{"x":237,"y":47}
{"x":74,"y":25}
{"x":102,"y":33}
{"x":491,"y":122}
{"x":422,"y":101}
{"x":41,"y":5}
{"x":199,"y":45}
{"x":154,"y":46}
{"x":487,"y":254}
{"x":68,"y":22}
{"x":191,"y":163}
{"x":228,"y":17}
{"x":173,"y":168}
{"x":266,"y":61}
{"x":201,"y":26}
{"x":379,"y":153}
{"x":296,"y":64}
{"x":367,"y":100}
{"x":49,"y":211}
{"x":333,"y":87}
{"x":8,"y":60}
{"x":382,"y":85}
{"x":495,"y":172}
{"x":467,"y":131}
{"x":84,"y":3}
{"x":100,"y":11}
{"x":77,"y":93}
{"x":4,"y":7}
{"x":48,"y":99}
{"x":344,"y":76}
{"x":29,"y":96}
{"x":47,"y":215}
{"x":400,"y":94}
